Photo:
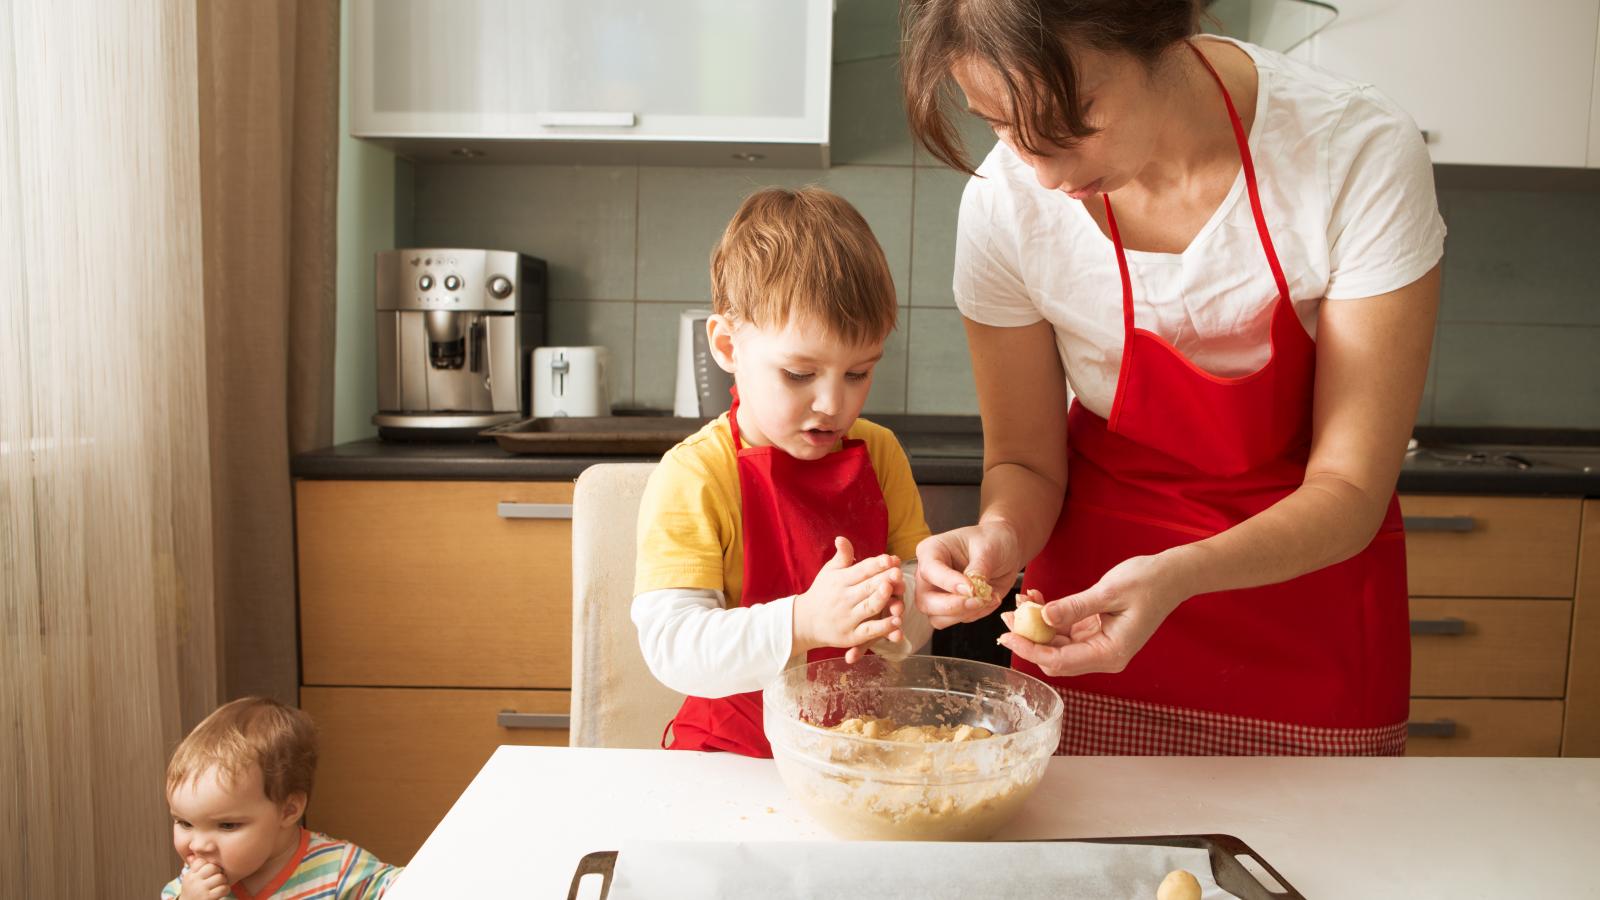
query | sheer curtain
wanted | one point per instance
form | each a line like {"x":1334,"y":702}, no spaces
{"x":108,"y":639}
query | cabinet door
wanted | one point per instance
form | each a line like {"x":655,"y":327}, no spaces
{"x":435,"y":583}
{"x":394,"y":760}
{"x":430,"y":67}
{"x":1489,"y":648}
{"x":1490,"y":82}
{"x":702,"y":69}
{"x":1474,"y":546}
{"x":1484,"y":728}
{"x":592,"y":70}
{"x":1594,"y":109}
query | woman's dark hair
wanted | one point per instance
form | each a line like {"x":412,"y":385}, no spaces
{"x":1029,"y":43}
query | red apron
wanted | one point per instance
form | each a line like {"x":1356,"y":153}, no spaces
{"x":1319,"y":665}
{"x":791,"y":510}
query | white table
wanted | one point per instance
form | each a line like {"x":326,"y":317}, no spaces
{"x":1456,"y":828}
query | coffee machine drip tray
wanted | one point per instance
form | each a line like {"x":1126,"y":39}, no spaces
{"x":435,"y":426}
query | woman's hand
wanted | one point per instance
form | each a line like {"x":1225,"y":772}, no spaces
{"x":944,"y":593}
{"x":1100,"y":629}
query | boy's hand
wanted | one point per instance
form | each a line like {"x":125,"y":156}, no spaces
{"x":850,"y":604}
{"x":203,"y":881}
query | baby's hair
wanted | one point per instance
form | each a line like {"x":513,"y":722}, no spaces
{"x":803,"y":254}
{"x":249,"y":732}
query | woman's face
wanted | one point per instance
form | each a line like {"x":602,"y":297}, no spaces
{"x":1119,"y":96}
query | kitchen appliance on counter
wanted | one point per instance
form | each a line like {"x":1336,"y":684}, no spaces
{"x":702,"y":389}
{"x":455,"y":330}
{"x":571,"y":381}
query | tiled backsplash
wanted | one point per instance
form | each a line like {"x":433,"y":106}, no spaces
{"x":1518,"y":342}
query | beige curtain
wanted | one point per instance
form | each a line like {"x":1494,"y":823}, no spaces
{"x":107,"y":635}
{"x":269,"y":107}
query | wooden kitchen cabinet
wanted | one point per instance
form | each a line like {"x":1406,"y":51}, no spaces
{"x":427,"y":609}
{"x":1485,"y":728}
{"x":1450,"y":62}
{"x":1497,"y":611}
{"x":393,"y":760}
{"x":435,"y":583}
{"x":1477,"y":546}
{"x":1581,"y":734}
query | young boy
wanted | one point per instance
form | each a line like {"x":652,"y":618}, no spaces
{"x":776,"y":533}
{"x":237,"y":787}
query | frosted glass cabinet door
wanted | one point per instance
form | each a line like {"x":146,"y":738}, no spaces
{"x":1491,"y":82}
{"x":739,"y":70}
{"x":429,"y":68}
{"x":698,"y":69}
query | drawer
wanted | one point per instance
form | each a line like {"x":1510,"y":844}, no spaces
{"x":435,"y":584}
{"x":394,"y":760}
{"x":1491,"y":546}
{"x":1485,"y":728}
{"x":1489,"y":648}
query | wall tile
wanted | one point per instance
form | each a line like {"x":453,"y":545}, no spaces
{"x":868,"y":123}
{"x":582,"y":323}
{"x":865,"y":29}
{"x":683,"y":212}
{"x":580,"y":219}
{"x":1522,"y":257}
{"x":933,"y":247}
{"x":655,"y":355}
{"x":889,"y":376}
{"x":1518,"y":375}
{"x":940,"y":378}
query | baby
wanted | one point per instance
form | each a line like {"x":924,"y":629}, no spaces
{"x":237,"y":787}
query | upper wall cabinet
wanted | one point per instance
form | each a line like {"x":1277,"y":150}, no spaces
{"x":1489,"y":82}
{"x":666,"y":81}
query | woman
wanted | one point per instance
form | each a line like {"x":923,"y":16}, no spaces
{"x":1228,"y":261}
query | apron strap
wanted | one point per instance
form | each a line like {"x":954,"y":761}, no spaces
{"x":733,"y":419}
{"x":1243,"y":141}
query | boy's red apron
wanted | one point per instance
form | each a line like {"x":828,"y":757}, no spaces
{"x":1319,"y":665}
{"x":792,"y":509}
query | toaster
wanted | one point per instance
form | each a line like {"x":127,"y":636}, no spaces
{"x":703,"y":390}
{"x":570,"y":381}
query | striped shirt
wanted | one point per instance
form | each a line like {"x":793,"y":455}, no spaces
{"x":321,"y":869}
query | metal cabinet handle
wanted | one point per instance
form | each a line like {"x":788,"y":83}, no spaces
{"x":1447,"y":625}
{"x":1459,"y":524}
{"x":509,"y":509}
{"x":510,"y":718}
{"x":1438,"y":728}
{"x":587,"y":119}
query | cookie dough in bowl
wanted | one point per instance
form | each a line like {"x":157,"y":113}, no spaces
{"x":925,"y":748}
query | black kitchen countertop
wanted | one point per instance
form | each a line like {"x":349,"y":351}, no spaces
{"x":949,"y":449}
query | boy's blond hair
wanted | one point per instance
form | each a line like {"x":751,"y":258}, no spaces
{"x":803,"y":254}
{"x":250,"y":732}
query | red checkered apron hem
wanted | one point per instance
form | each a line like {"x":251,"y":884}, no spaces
{"x":1100,"y":725}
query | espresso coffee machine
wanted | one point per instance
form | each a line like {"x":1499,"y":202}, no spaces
{"x":455,"y":332}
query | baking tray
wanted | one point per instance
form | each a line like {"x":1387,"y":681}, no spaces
{"x":1224,"y":850}
{"x":594,"y":435}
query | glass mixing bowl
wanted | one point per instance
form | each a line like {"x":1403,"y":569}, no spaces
{"x":861,"y":787}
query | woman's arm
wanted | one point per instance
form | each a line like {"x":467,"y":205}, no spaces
{"x":1372,"y":361}
{"x":1022,"y":397}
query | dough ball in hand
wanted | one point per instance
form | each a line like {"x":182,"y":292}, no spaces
{"x":981,"y":589}
{"x":1178,"y":885}
{"x":1029,"y":622}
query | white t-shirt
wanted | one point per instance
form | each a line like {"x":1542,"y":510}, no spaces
{"x":1347,"y":189}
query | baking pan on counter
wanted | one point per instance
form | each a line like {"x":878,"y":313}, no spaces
{"x":594,"y":435}
{"x":1224,"y":850}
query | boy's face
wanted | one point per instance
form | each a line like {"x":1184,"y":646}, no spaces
{"x":234,"y":826}
{"x":800,"y":389}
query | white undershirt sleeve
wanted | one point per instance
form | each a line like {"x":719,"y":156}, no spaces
{"x":696,"y":647}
